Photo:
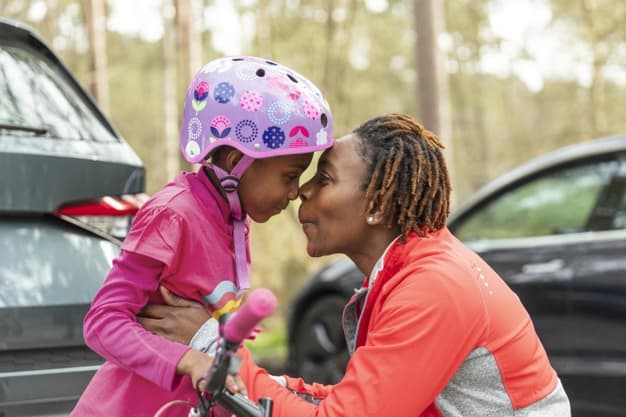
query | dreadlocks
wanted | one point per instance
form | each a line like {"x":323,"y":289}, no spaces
{"x":407,"y":180}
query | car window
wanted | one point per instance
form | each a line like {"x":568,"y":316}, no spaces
{"x":557,"y":202}
{"x":35,"y":93}
{"x":620,"y":218}
{"x":48,"y":262}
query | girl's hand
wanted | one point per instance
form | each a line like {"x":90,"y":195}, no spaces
{"x":178,"y":320}
{"x":197,"y":364}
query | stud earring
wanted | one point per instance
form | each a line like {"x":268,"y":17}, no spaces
{"x":370,"y":220}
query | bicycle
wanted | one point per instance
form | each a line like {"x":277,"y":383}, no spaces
{"x":234,"y":329}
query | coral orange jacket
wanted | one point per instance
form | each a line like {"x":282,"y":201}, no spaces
{"x":439,"y":334}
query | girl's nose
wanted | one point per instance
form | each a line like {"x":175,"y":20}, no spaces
{"x":294,"y":192}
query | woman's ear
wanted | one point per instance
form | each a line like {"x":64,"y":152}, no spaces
{"x":373,"y":219}
{"x":374,"y":216}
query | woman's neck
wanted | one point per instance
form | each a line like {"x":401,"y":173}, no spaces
{"x":366,"y":256}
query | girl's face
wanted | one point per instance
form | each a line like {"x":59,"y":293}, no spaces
{"x":333,"y":208}
{"x":269,"y":184}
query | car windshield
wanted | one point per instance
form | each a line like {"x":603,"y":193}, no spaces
{"x":35,"y":97}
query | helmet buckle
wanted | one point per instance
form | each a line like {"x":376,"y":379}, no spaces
{"x":229,"y":183}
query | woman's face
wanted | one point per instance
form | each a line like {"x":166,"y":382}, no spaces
{"x":333,"y":208}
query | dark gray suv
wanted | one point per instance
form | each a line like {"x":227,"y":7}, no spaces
{"x":555,"y":230}
{"x":69,"y":186}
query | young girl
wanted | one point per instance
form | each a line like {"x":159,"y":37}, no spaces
{"x":259,"y":123}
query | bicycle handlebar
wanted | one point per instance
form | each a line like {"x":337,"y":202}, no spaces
{"x":236,"y":328}
{"x":261,"y":303}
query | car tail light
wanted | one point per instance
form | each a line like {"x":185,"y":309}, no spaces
{"x":111,"y":215}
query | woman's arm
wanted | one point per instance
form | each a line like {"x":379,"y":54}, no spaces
{"x":415,"y":344}
{"x":179,"y":319}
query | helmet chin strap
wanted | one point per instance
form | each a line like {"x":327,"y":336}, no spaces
{"x":230,"y":183}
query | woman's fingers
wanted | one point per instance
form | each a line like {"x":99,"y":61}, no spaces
{"x":235,"y":385}
{"x":178,"y":320}
{"x":173,"y":300}
{"x":150,"y":324}
{"x":157,"y":311}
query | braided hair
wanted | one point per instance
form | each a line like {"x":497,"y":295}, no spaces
{"x":406,"y":177}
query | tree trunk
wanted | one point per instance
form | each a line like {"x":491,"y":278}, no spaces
{"x":264,"y":29}
{"x":170,"y":95}
{"x":432,"y":86}
{"x":95,"y":17}
{"x":597,"y":123}
{"x":189,"y":45}
{"x":189,"y":41}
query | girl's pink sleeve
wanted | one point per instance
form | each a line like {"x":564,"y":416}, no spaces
{"x":110,"y":327}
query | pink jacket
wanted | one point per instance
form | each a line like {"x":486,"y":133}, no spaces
{"x":181,"y":239}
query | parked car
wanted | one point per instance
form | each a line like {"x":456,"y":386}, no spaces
{"x":555,"y":230}
{"x":69,"y":185}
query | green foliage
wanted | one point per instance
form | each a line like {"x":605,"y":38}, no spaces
{"x":270,"y":344}
{"x":364,"y":61}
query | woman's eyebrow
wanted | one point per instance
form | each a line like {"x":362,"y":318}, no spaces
{"x":325,"y":163}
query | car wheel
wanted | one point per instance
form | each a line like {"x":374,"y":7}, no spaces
{"x":320,"y":351}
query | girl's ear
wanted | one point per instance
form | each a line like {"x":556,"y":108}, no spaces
{"x":231,"y":158}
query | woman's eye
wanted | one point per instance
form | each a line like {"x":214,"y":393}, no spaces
{"x":323,"y":178}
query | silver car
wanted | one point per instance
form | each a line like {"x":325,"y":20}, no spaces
{"x":69,"y":186}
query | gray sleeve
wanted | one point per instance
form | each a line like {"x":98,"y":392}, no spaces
{"x":205,"y":339}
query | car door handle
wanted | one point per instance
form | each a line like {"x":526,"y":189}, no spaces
{"x":542,"y":268}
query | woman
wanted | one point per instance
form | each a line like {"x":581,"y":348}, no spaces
{"x":433,"y":331}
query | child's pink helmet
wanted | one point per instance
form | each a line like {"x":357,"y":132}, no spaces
{"x":257,"y":106}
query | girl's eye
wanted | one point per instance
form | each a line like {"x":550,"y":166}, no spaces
{"x":292,"y":177}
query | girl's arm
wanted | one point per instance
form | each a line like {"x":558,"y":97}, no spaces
{"x":111,"y":330}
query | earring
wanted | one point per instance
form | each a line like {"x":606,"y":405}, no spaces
{"x":370,"y":220}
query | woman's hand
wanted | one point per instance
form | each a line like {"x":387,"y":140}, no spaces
{"x":178,"y":320}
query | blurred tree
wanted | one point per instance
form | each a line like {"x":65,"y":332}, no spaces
{"x":362,"y":55}
{"x":432,"y":88}
{"x":189,"y":47}
{"x":465,"y":23}
{"x":170,"y":92}
{"x":95,"y":18}
{"x":601,"y":26}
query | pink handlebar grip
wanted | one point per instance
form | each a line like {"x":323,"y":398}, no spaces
{"x":260,"y":304}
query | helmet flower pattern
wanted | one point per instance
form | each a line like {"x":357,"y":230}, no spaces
{"x":273,"y":137}
{"x":224,"y":92}
{"x":251,"y":101}
{"x":256,"y":106}
{"x":310,"y":109}
{"x":200,"y":94}
{"x":220,"y":126}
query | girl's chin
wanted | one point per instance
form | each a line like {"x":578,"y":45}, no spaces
{"x":260,"y":218}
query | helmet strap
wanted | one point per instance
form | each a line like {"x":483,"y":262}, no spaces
{"x":229,"y":182}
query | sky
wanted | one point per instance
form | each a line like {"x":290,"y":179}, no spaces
{"x":523,"y":26}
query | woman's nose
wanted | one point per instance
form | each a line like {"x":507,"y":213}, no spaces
{"x":305,"y":191}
